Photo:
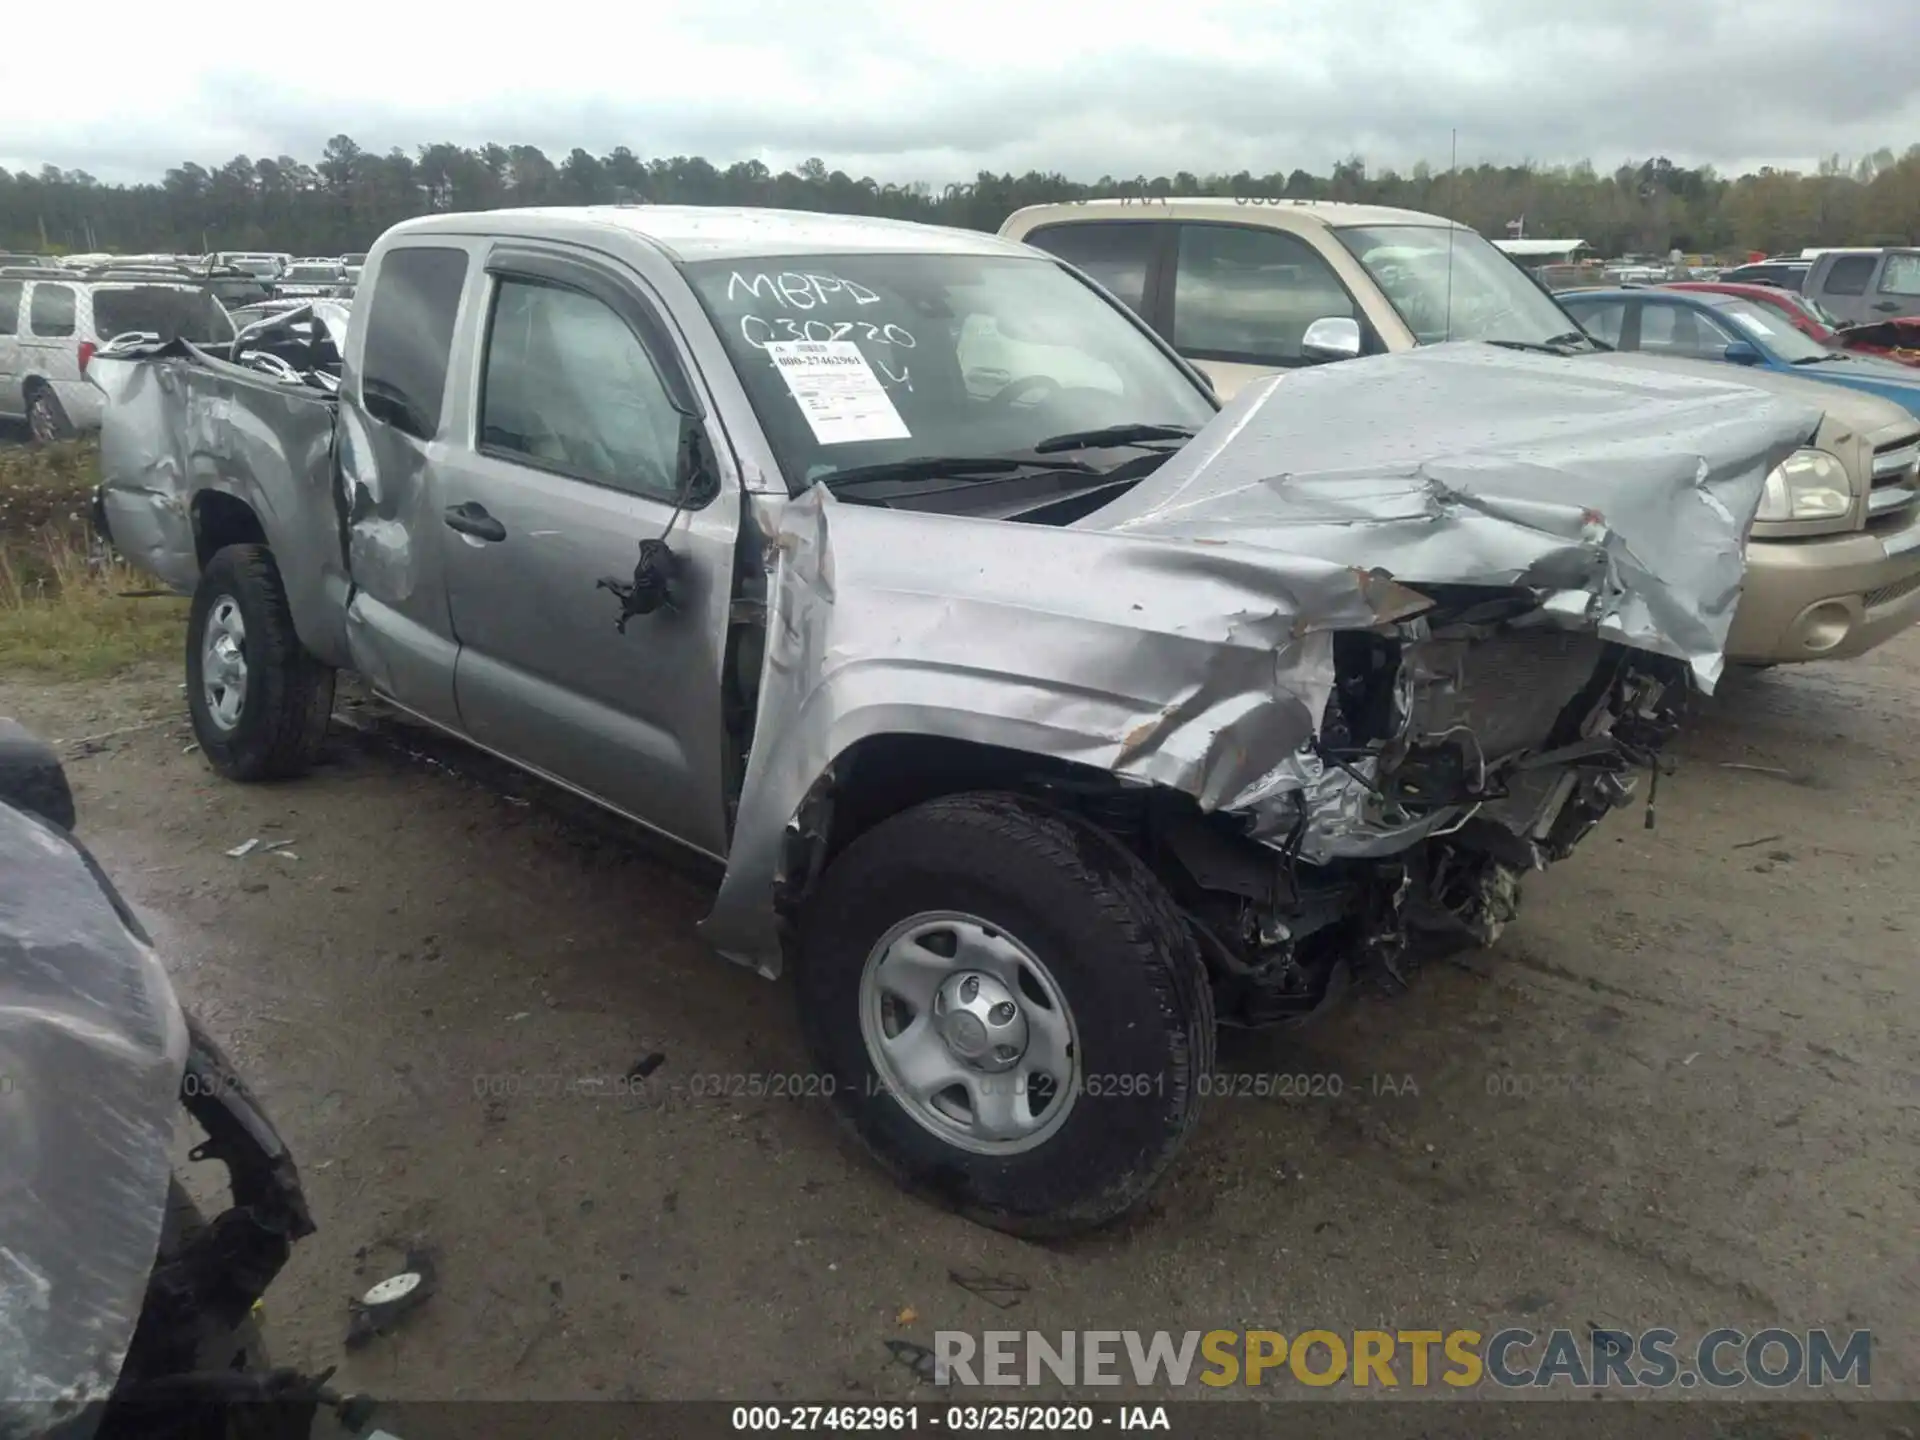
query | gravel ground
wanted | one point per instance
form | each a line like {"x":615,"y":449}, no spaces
{"x":1681,"y":1091}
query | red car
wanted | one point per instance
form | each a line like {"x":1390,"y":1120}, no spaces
{"x":1897,"y":340}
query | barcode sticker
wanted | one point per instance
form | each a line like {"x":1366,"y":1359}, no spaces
{"x":837,"y":391}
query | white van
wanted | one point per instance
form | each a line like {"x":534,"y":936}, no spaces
{"x":50,"y":328}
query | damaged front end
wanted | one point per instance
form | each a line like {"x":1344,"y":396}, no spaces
{"x":1455,"y":755}
{"x":1340,"y":683}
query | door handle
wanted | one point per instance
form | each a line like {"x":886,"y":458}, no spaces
{"x":471,"y":518}
{"x":1888,"y":305}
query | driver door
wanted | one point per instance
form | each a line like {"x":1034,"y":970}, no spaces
{"x":585,"y":415}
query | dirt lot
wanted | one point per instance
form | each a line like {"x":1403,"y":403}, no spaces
{"x":1682,"y":1091}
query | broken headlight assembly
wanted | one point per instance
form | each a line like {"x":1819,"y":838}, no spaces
{"x":1807,"y":485}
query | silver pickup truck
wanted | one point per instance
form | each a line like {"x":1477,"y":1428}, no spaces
{"x":1042,"y":716}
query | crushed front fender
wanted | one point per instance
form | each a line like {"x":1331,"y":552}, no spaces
{"x":1183,"y":635}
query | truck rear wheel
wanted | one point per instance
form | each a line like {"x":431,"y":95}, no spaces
{"x":1008,"y":1011}
{"x":260,"y":702}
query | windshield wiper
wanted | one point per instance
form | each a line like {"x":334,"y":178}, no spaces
{"x":1112,"y":435}
{"x":944,"y":467}
{"x":1577,"y":338}
{"x":1554,"y":345}
{"x":1816,"y":359}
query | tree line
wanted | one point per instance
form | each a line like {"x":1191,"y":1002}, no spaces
{"x":344,"y":200}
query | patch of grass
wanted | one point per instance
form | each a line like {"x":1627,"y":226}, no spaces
{"x":64,"y":608}
{"x":46,"y":485}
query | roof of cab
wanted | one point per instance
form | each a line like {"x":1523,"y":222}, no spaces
{"x":1334,"y":214}
{"x":687,"y":233}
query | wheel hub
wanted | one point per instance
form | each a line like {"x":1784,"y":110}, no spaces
{"x":969,"y":1032}
{"x":223,"y":663}
{"x":981,"y":1020}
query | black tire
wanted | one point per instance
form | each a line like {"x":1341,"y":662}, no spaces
{"x":46,"y":417}
{"x":287,"y":697}
{"x":1121,"y":956}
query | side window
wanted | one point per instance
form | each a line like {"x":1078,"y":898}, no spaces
{"x":1849,"y":275}
{"x":1116,"y":254}
{"x":1677,"y":330}
{"x":403,"y":374}
{"x":51,"y":310}
{"x":1248,"y":295}
{"x":1902,"y":275}
{"x":10,"y":306}
{"x":1602,"y":321}
{"x":569,"y":386}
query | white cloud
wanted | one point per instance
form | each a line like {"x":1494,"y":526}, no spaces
{"x":936,"y":92}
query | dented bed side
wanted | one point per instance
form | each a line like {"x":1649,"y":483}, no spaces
{"x":181,"y":426}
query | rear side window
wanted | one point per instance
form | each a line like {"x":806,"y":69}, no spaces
{"x":10,"y":306}
{"x":1116,"y":254}
{"x":169,"y":312}
{"x":1902,"y":275}
{"x":1601,"y":319}
{"x":403,"y":374}
{"x":51,"y":310}
{"x":1682,"y":331}
{"x":1850,"y":274}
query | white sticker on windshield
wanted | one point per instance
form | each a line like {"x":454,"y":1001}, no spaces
{"x":837,"y":391}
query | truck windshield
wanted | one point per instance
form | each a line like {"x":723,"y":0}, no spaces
{"x":861,"y":360}
{"x":1463,"y":290}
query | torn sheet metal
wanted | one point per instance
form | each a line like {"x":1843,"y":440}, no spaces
{"x":92,"y":1049}
{"x":1182,"y":636}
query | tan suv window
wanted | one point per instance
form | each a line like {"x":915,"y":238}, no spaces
{"x":1116,"y":253}
{"x":1247,"y":295}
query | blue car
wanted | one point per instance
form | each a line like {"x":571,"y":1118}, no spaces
{"x":1701,"y":325}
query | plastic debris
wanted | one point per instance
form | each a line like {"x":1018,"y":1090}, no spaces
{"x":396,"y":1296}
{"x":245,"y":847}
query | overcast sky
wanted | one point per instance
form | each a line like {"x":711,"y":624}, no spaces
{"x":936,"y":91}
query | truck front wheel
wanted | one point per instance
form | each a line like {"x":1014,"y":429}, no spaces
{"x":1008,"y":1011}
{"x":260,"y":702}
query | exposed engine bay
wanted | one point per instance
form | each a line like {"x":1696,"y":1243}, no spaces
{"x":1455,"y":757}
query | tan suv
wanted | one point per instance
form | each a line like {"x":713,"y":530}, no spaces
{"x":1247,"y":287}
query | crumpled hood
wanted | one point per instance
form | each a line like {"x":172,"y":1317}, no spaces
{"x":1182,"y":635}
{"x":92,"y":1049}
{"x":1622,"y":495}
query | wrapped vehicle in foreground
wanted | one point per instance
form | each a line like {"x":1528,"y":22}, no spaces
{"x":125,"y":1312}
{"x":1040,"y":716}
